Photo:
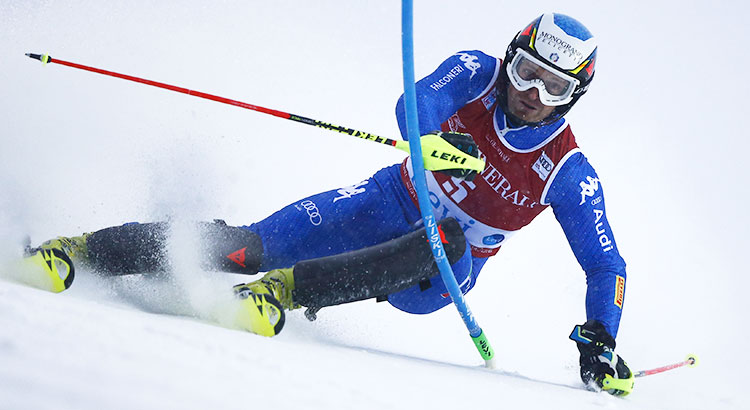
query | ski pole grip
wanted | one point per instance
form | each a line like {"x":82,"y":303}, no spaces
{"x":44,"y":58}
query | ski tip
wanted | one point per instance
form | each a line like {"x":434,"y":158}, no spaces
{"x":44,"y":58}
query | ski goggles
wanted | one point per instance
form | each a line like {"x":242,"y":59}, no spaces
{"x":526,"y":71}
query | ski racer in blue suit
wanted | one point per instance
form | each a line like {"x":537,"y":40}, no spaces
{"x":512,"y":115}
{"x":514,"y":110}
{"x":510,"y":110}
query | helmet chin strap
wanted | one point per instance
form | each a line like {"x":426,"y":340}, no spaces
{"x":515,"y":122}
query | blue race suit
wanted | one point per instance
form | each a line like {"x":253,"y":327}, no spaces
{"x":382,"y":207}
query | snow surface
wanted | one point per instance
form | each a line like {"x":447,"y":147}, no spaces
{"x":662,"y":123}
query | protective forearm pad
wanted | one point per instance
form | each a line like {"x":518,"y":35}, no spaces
{"x":375,"y":271}
{"x":142,"y":248}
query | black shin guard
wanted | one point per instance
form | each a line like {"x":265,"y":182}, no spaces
{"x":127,"y":249}
{"x":142,"y":248}
{"x":375,"y":271}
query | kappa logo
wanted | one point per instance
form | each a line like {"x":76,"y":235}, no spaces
{"x":588,"y":189}
{"x":470,"y":62}
{"x":350,"y":191}
{"x":238,"y":257}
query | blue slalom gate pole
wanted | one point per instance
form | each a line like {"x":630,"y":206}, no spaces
{"x":420,"y":185}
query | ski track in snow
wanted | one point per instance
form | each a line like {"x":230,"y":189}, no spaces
{"x":136,"y":359}
{"x":81,"y":151}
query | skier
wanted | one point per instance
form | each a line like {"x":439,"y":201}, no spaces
{"x":366,"y":240}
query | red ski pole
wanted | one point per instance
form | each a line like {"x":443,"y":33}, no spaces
{"x":691,"y":361}
{"x":44,"y":58}
{"x":438,"y":154}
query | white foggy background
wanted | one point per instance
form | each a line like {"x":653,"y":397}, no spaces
{"x":663,"y":124}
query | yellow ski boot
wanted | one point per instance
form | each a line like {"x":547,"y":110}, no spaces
{"x":264,"y":302}
{"x":278,"y":283}
{"x":50,"y":266}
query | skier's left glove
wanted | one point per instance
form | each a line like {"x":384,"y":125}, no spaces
{"x":601,"y":367}
{"x":465,"y":143}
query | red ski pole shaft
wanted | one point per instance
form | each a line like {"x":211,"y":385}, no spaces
{"x":691,"y":361}
{"x":47,"y":59}
{"x":438,"y":155}
{"x":298,"y":118}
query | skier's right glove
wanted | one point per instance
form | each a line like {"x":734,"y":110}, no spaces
{"x":601,"y":367}
{"x":465,"y":143}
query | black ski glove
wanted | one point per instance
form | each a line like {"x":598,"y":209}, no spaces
{"x":465,"y":143}
{"x":601,"y":367}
